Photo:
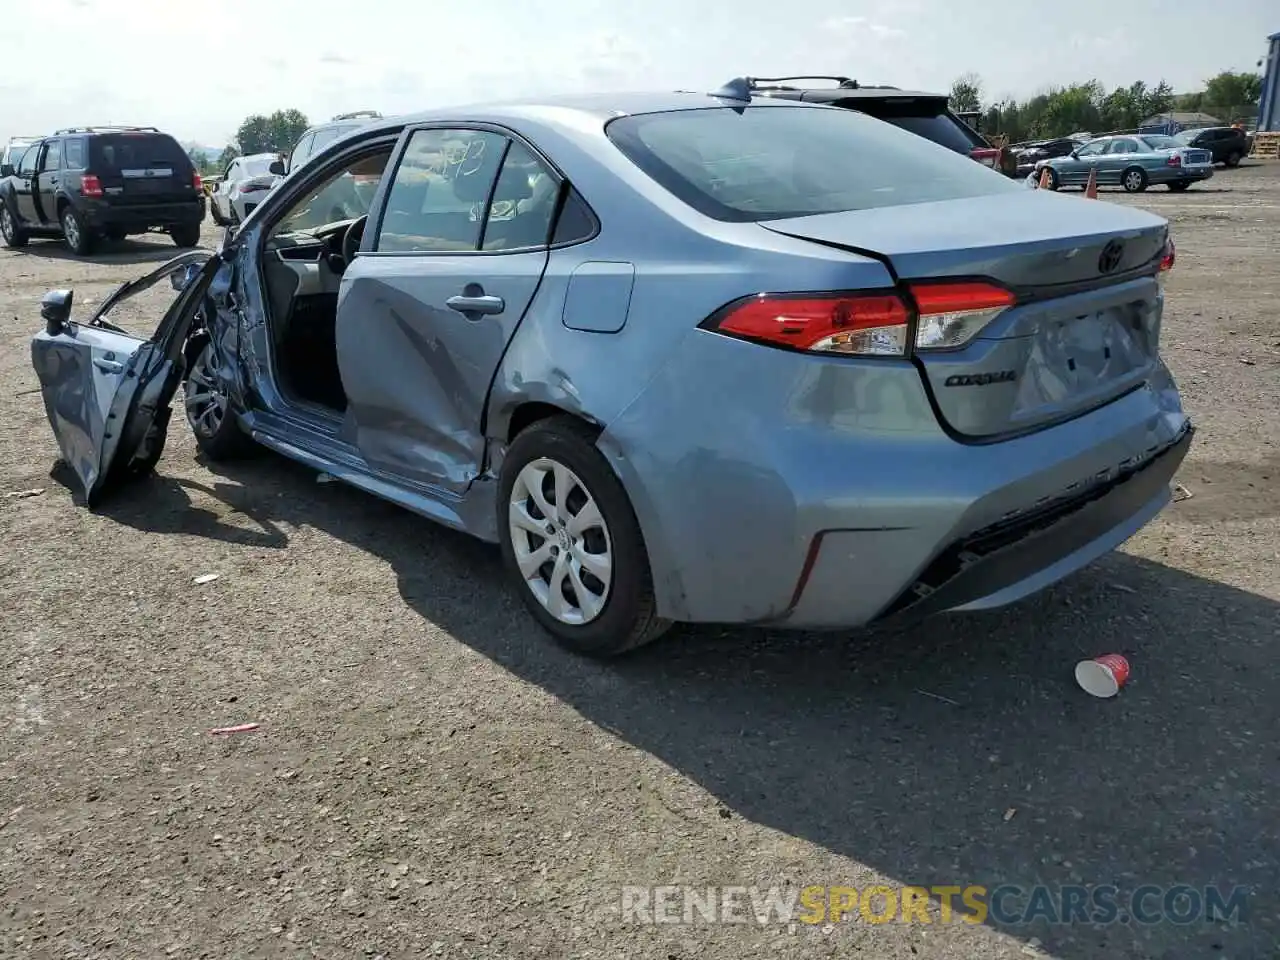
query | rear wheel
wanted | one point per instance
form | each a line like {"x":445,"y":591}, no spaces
{"x":572,"y":544}
{"x":1134,"y":180}
{"x":1234,"y":158}
{"x":209,"y":408}
{"x":14,"y":236}
{"x":187,"y":235}
{"x":74,"y":231}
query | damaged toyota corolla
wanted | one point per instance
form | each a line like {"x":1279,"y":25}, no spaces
{"x":684,"y":357}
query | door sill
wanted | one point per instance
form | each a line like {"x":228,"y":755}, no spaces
{"x":311,"y":439}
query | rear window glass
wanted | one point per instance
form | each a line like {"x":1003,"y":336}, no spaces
{"x":256,"y":166}
{"x":764,"y":163}
{"x":138,"y":151}
{"x":925,"y":118}
{"x":1160,"y":142}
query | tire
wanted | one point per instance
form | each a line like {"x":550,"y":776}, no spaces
{"x":14,"y":236}
{"x":187,"y":235}
{"x":1179,"y":186}
{"x":1234,"y":158}
{"x":625,"y":611}
{"x":78,"y":237}
{"x":218,"y":219}
{"x":1134,"y":180}
{"x":208,"y":409}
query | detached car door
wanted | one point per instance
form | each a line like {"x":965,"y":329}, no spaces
{"x":107,"y":392}
{"x":448,"y":267}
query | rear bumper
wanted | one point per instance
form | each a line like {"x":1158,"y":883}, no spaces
{"x":139,"y":217}
{"x":825,"y":495}
{"x":1184,"y":174}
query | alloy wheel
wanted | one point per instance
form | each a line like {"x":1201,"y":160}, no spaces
{"x":1132,"y":181}
{"x":561,"y":541}
{"x":71,"y":230}
{"x":6,"y":222}
{"x":206,"y":401}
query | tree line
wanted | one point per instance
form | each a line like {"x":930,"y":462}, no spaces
{"x":259,"y":133}
{"x":1090,"y":107}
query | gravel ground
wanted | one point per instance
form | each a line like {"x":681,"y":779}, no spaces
{"x":431,"y":778}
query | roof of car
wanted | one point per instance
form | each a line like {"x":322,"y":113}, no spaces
{"x":831,"y":94}
{"x":599,"y":106}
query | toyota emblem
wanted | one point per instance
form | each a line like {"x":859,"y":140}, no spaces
{"x":1111,"y":256}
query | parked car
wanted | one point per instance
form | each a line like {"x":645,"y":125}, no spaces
{"x":1029,"y":154}
{"x":924,"y":114}
{"x":320,"y":136}
{"x":1131,"y":161}
{"x":243,"y":185}
{"x":1227,"y":145}
{"x":14,"y":149}
{"x":551,"y":335}
{"x":89,"y":183}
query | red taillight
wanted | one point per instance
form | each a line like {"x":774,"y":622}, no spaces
{"x":986,"y":157}
{"x":197,"y":182}
{"x":1175,"y":160}
{"x":1170,"y":256}
{"x":90,"y":186}
{"x":872,"y":323}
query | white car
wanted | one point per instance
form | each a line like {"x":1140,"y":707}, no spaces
{"x":245,"y":183}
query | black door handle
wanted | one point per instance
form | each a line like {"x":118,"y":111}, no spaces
{"x":478,"y":305}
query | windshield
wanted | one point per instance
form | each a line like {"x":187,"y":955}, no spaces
{"x":1160,"y":142}
{"x":765,"y":163}
{"x":1186,"y":136}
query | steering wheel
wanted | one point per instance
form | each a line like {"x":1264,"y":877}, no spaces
{"x":351,"y":239}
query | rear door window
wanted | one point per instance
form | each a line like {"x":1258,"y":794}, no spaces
{"x":74,"y":152}
{"x":771,"y":162}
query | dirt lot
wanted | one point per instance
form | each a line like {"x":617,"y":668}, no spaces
{"x":431,"y":778}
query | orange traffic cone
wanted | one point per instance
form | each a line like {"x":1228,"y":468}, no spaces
{"x":1091,"y":190}
{"x":1044,"y":178}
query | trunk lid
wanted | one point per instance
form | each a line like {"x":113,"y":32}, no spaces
{"x":1085,"y":327}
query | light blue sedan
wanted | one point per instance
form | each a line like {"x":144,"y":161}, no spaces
{"x":681,"y":356}
{"x":1131,"y":161}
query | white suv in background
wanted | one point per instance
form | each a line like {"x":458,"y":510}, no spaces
{"x":243,"y":186}
{"x":323,"y":134}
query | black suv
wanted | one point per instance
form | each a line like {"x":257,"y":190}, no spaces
{"x":87,"y":183}
{"x":1228,"y":145}
{"x":924,"y":114}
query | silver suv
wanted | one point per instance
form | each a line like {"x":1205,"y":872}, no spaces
{"x":323,"y":134}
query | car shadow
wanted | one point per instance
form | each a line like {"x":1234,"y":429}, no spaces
{"x":106,"y":252}
{"x":955,"y":752}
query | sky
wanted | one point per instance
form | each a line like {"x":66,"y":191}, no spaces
{"x":197,"y":70}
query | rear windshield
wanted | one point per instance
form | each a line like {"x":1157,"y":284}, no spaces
{"x":1159,"y":142}
{"x":924,"y":118}
{"x":257,"y":166}
{"x":765,"y":163}
{"x":137,"y":151}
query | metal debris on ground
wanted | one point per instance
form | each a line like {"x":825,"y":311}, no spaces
{"x":239,"y":728}
{"x":1180,"y":493}
{"x":24,"y":494}
{"x":1010,"y":814}
{"x":205,"y":578}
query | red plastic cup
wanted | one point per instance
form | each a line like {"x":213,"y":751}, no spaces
{"x":1103,"y":676}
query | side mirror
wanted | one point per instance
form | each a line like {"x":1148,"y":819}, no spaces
{"x":6,"y":169}
{"x":55,"y":308}
{"x":277,"y":168}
